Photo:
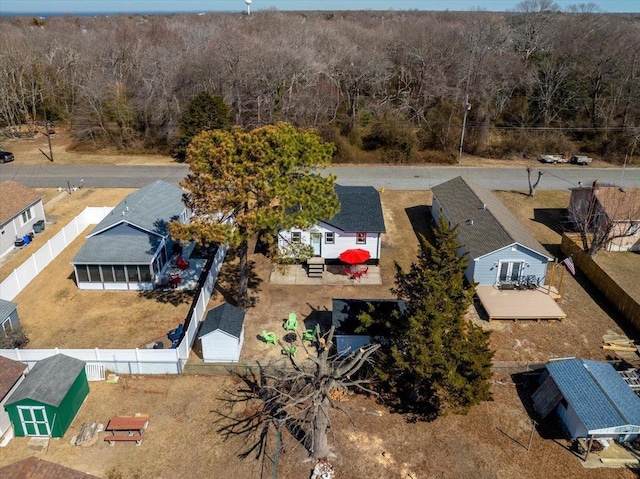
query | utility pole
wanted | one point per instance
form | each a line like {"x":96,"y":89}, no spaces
{"x":467,"y":108}
{"x":467,"y":105}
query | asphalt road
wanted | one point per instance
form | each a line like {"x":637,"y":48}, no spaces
{"x":389,"y":177}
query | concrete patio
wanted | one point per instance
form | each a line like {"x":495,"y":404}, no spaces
{"x":513,"y":304}
{"x":332,"y":275}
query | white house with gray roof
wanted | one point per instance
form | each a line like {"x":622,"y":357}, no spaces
{"x":500,"y":248}
{"x":131,"y":245}
{"x":358,"y":224}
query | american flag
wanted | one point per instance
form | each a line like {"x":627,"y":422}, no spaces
{"x":568,"y":262}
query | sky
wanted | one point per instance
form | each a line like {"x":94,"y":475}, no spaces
{"x":141,"y":6}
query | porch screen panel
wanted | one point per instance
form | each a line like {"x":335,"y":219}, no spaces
{"x":132,"y":273}
{"x":107,"y":274}
{"x":145,"y":273}
{"x":119,"y":274}
{"x":94,"y":274}
{"x":81,"y":273}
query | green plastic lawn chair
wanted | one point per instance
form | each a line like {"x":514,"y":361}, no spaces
{"x":269,"y":337}
{"x":291,"y":350}
{"x":292,"y":322}
{"x":310,"y":334}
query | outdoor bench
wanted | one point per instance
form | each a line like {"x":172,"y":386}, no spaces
{"x":112,"y":439}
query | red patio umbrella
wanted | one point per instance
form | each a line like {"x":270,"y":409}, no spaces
{"x":355,"y":256}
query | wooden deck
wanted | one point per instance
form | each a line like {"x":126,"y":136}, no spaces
{"x":514,"y":304}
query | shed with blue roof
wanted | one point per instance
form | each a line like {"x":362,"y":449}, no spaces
{"x":591,"y":400}
{"x":131,"y":245}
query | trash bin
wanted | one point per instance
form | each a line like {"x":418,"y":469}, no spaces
{"x":38,"y":226}
{"x":26,"y":239}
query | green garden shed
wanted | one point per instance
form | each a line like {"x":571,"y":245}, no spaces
{"x":49,"y":398}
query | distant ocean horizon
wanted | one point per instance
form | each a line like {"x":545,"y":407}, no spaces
{"x":104,"y":14}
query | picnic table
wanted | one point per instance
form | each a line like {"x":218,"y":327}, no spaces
{"x":131,"y":425}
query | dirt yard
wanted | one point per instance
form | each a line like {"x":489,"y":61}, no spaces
{"x":182,"y":441}
{"x":27,"y":152}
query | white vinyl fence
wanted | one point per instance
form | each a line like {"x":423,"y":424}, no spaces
{"x":120,"y":361}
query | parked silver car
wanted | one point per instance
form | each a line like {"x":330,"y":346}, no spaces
{"x":553,"y":159}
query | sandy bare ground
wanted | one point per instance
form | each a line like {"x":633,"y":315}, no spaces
{"x":182,"y":439}
{"x":27,"y":152}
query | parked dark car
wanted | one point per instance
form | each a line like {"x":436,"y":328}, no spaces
{"x":6,"y":156}
{"x":581,"y":160}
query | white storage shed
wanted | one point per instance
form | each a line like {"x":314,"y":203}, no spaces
{"x":222,"y":334}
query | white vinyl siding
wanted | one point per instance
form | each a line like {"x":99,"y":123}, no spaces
{"x":342,"y":241}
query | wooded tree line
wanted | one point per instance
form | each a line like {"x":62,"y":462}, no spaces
{"x":383,"y":86}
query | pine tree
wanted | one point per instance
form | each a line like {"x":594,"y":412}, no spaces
{"x":205,"y":112}
{"x":242,"y":184}
{"x":435,"y":360}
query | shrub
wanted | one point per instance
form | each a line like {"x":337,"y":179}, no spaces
{"x":13,"y":339}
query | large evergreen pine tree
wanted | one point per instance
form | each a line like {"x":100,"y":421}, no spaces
{"x":435,"y":360}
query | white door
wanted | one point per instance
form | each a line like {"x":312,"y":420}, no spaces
{"x":316,"y":243}
{"x":510,"y":270}
{"x":34,"y":420}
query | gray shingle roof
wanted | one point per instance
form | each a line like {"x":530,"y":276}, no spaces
{"x":49,"y":380}
{"x":360,"y":210}
{"x":6,"y":308}
{"x":226,"y":318}
{"x":481,"y":229}
{"x":600,"y":397}
{"x":134,"y":236}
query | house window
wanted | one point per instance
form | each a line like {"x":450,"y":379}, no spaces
{"x":26,"y":215}
{"x":361,"y":238}
{"x":81,"y":274}
{"x":296,"y":237}
{"x":329,"y":237}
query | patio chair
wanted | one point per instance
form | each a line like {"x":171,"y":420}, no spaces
{"x":176,"y":333}
{"x":291,"y":350}
{"x":292,"y":323}
{"x":182,"y":263}
{"x":269,"y":337}
{"x":310,"y":334}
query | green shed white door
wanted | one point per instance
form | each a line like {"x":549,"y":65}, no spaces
{"x":34,"y":421}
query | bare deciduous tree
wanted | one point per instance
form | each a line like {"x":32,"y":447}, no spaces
{"x":297,"y":397}
{"x":607,"y":217}
{"x":534,"y":185}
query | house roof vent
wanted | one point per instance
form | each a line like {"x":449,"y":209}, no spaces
{"x":469,"y":222}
